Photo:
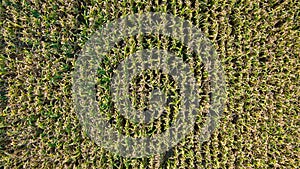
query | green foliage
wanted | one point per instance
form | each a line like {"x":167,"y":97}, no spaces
{"x":258,"y":45}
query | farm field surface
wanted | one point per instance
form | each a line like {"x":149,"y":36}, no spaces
{"x":257,"y":43}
